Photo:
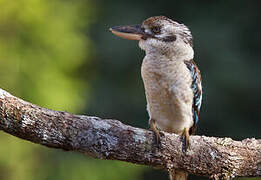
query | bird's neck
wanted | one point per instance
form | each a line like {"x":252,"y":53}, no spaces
{"x":178,"y":52}
{"x":182,"y":52}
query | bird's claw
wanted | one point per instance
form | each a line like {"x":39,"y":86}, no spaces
{"x":156,"y":131}
{"x":185,"y":140}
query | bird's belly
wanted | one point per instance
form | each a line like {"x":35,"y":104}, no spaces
{"x":171,"y":114}
{"x":169,"y":99}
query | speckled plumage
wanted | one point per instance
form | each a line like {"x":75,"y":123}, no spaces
{"x":171,"y":78}
{"x":168,"y":92}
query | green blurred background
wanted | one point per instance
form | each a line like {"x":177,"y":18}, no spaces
{"x":59,"y":54}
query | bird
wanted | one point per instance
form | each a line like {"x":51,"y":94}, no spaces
{"x":171,"y":78}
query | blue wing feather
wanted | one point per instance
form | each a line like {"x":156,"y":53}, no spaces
{"x":196,"y":88}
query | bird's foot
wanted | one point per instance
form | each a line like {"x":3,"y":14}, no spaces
{"x":185,"y":139}
{"x":155,"y":129}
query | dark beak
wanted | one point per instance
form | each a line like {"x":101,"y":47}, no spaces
{"x":132,"y":32}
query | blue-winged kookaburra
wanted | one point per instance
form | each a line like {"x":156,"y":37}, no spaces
{"x":171,"y":78}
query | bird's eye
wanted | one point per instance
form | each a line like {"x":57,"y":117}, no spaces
{"x":155,"y":29}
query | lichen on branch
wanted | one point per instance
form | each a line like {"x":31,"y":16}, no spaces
{"x":218,"y":158}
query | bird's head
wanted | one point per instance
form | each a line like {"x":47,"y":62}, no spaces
{"x":161,"y":35}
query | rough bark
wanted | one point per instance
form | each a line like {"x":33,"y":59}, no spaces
{"x":219,"y":158}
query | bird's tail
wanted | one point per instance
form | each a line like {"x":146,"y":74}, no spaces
{"x":178,"y":175}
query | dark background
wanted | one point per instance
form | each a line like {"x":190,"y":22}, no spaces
{"x":100,"y":74}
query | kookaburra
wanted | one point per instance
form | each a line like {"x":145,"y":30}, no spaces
{"x":171,"y":78}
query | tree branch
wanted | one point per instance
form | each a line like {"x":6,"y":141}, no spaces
{"x":111,"y":139}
